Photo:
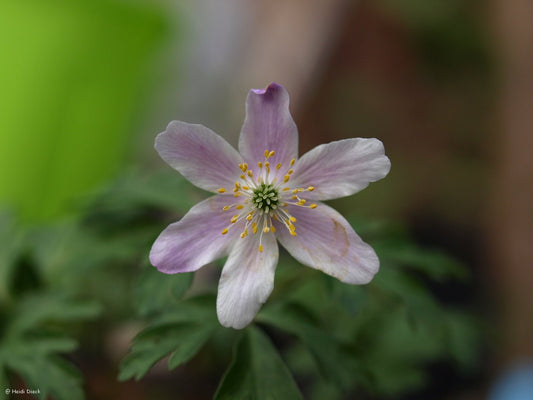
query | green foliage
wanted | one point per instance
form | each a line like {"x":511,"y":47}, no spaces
{"x":180,"y":332}
{"x":257,"y":372}
{"x":336,"y":340}
{"x":31,"y":340}
{"x":73,"y":77}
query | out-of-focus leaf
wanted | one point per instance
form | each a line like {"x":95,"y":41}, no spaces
{"x":179,"y":332}
{"x":39,"y":309}
{"x":257,"y":372}
{"x":31,"y":342}
{"x":65,"y":124}
{"x":51,"y":375}
{"x":435,"y":264}
{"x":157,"y":291}
{"x":335,"y":363}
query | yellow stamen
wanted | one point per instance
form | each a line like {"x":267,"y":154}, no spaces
{"x":285,"y":189}
{"x":254,"y":227}
{"x":239,"y":207}
{"x":249,"y":217}
{"x":312,"y":206}
{"x":242,"y":176}
{"x":293,"y":233}
{"x":310,"y":188}
{"x":266,"y":229}
{"x":286,"y":178}
{"x":224,"y":231}
{"x":266,"y":153}
{"x":260,"y":248}
{"x":271,"y":153}
{"x":260,"y":164}
{"x":292,"y":162}
{"x":226,"y":208}
{"x":250,"y":174}
{"x":245,"y":188}
{"x":290,"y":171}
{"x":221,"y":190}
{"x":278,"y":165}
{"x":295,"y":191}
{"x":273,"y":229}
{"x":267,"y":164}
{"x":294,"y":197}
{"x":244,"y":233}
{"x":292,"y":219}
{"x":237,"y":194}
{"x":234,"y":219}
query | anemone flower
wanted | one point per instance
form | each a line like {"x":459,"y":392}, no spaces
{"x":262,"y":194}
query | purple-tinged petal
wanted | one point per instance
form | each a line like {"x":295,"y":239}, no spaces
{"x":200,"y":155}
{"x":247,"y":280}
{"x":196,"y":239}
{"x":268,"y":126}
{"x":326,"y":241}
{"x":340,"y":168}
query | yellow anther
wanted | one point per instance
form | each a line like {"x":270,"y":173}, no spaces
{"x":301,"y":190}
{"x":278,"y":165}
{"x":260,"y":248}
{"x":254,"y":227}
{"x":292,"y":162}
{"x":295,"y":191}
{"x":250,"y":174}
{"x":294,"y":197}
{"x":266,"y":153}
{"x":244,"y":233}
{"x":292,"y":219}
{"x":266,"y":229}
{"x":301,"y":202}
{"x":285,"y":189}
{"x":244,"y":167}
{"x":271,"y":154}
{"x":221,"y":190}
{"x":226,"y":208}
{"x":267,"y":164}
{"x":234,"y":219}
{"x":242,"y":176}
{"x":239,"y":207}
{"x":286,"y":178}
{"x":224,"y":231}
{"x":272,"y":229}
{"x":292,"y":228}
{"x":260,"y":164}
{"x":249,"y":217}
{"x":312,"y":206}
{"x":293,"y":233}
{"x":237,"y":194}
{"x":245,"y":188}
{"x":310,"y":188}
{"x":290,"y":171}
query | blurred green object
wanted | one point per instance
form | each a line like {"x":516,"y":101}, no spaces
{"x":72,"y":77}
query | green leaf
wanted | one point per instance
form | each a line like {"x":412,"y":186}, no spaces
{"x":51,"y":375}
{"x":334,"y":362}
{"x":38,"y":309}
{"x":156,"y":291}
{"x":257,"y":372}
{"x":179,"y":332}
{"x":181,"y":341}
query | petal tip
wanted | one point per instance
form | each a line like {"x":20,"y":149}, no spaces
{"x":271,"y":87}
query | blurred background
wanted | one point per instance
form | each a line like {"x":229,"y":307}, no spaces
{"x":447,"y":85}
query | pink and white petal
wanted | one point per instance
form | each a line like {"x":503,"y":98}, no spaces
{"x":340,"y":168}
{"x":247,"y":280}
{"x":268,"y":126}
{"x":326,"y":241}
{"x":196,"y":239}
{"x":200,"y":155}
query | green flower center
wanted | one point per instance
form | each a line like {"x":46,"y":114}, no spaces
{"x":265,"y":198}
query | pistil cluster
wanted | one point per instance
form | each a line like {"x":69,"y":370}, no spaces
{"x":266,"y":196}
